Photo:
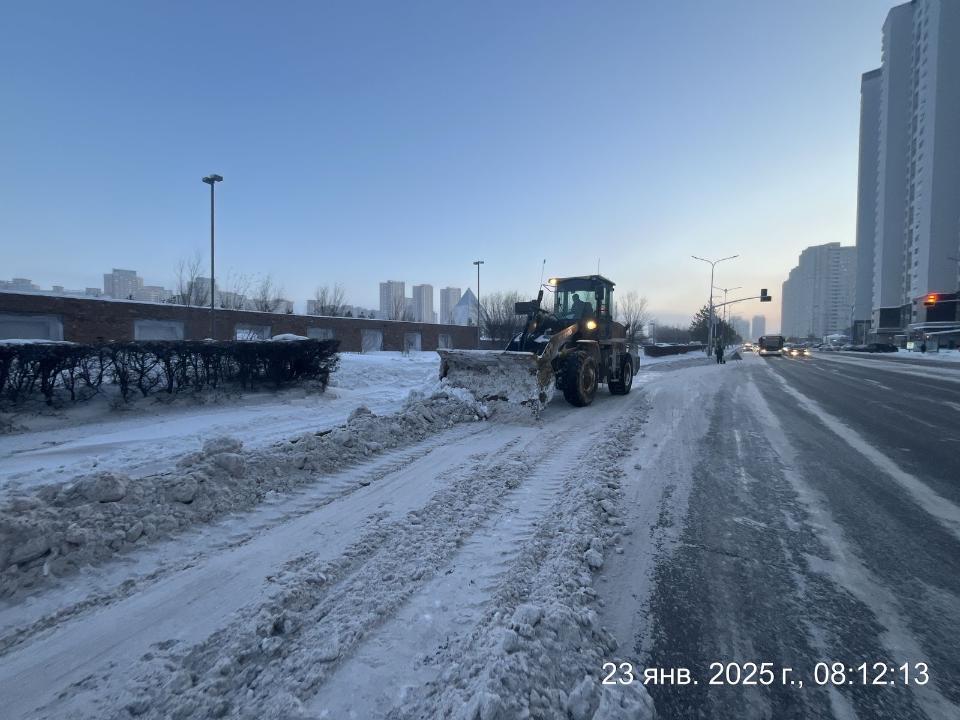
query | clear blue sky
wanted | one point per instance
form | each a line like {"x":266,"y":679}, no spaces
{"x":365,"y":141}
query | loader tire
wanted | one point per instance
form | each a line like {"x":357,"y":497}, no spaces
{"x":579,"y":379}
{"x":623,"y":385}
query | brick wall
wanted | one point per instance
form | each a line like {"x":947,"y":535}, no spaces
{"x":87,"y":320}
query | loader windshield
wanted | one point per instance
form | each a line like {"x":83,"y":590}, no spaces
{"x":575,"y":304}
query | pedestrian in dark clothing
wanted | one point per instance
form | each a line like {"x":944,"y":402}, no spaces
{"x":923,"y":346}
{"x":719,"y":352}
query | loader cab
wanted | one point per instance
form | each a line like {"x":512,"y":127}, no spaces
{"x":588,"y":296}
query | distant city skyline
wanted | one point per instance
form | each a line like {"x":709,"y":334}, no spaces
{"x":403,"y":141}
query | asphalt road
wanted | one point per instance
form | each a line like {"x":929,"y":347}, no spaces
{"x":815,"y":518}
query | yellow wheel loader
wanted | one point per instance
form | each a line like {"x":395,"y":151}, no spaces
{"x":573,"y":347}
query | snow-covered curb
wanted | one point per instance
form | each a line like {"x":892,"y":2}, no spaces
{"x":52,"y":530}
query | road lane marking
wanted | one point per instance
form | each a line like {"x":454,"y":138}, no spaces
{"x":845,"y":569}
{"x":904,"y":368}
{"x":946,"y":512}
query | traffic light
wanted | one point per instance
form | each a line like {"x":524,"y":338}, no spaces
{"x":764,"y":297}
{"x":930,"y":300}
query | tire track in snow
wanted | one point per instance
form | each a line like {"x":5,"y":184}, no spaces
{"x":192,"y":604}
{"x":404,"y":651}
{"x":111,"y":583}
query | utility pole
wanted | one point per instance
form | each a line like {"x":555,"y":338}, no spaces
{"x":211,"y":180}
{"x":478,"y":263}
{"x":713,"y":265}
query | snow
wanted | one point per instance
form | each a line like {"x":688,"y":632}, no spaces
{"x":288,"y":337}
{"x":150,"y":435}
{"x":693,"y":354}
{"x":32,"y":341}
{"x":269,"y":576}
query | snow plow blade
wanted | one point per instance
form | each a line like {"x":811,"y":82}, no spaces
{"x":520,"y":378}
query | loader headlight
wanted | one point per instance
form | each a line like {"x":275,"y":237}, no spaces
{"x":591,"y":324}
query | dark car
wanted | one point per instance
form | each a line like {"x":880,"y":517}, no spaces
{"x":882,"y":348}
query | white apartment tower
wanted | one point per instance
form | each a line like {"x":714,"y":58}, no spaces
{"x":122,"y":284}
{"x":449,"y":297}
{"x":392,"y":299}
{"x":423,"y":303}
{"x":917,"y":181}
{"x":818,"y":295}
{"x":867,"y":199}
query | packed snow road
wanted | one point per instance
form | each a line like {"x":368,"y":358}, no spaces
{"x":756,"y":512}
{"x":794,"y":513}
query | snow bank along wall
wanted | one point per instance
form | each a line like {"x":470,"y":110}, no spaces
{"x":92,"y":320}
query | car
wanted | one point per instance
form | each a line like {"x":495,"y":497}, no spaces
{"x":797,"y":351}
{"x":882,"y":348}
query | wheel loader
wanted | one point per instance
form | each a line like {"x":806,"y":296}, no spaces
{"x":573,"y":347}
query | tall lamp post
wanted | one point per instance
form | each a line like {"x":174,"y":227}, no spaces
{"x":211,"y":180}
{"x":713,"y":265}
{"x":726,"y":313}
{"x":478,"y":263}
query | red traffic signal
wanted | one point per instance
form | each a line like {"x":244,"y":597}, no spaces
{"x":930,"y":300}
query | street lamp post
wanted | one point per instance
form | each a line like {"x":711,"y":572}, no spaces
{"x":713,"y":265}
{"x":478,"y":263}
{"x":211,"y":180}
{"x":726,"y":314}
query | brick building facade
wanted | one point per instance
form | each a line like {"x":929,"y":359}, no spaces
{"x":88,"y":320}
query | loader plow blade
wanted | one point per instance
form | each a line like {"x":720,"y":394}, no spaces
{"x":514,"y":377}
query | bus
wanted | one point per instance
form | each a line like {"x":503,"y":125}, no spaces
{"x":770,"y":345}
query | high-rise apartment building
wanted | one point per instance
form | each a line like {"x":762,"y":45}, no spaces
{"x":870,"y":84}
{"x":392,"y":299}
{"x":741,"y":326}
{"x":152,"y":293}
{"x":423,"y":303}
{"x":758,"y":327}
{"x":912,"y":103}
{"x":122,"y":284}
{"x":449,"y":297}
{"x":818,"y":295}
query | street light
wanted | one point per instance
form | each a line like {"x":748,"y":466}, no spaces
{"x":210,"y":180}
{"x":478,"y":263}
{"x":726,"y":315}
{"x":713,"y":265}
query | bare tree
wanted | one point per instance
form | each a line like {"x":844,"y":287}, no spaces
{"x":328,"y":301}
{"x":266,"y":295}
{"x":632,"y":311}
{"x":192,"y":287}
{"x":232,"y":294}
{"x":500,"y":323}
{"x":398,"y":310}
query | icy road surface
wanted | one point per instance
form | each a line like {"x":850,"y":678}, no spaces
{"x":779,"y":511}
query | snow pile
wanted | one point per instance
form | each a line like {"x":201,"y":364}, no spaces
{"x":52,"y":530}
{"x":288,"y":337}
{"x":504,"y":378}
{"x":33,"y":341}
